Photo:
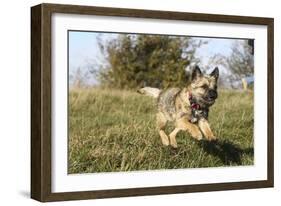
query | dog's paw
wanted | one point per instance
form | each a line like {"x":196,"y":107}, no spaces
{"x":211,"y":138}
{"x":165,"y":142}
{"x":174,"y":144}
{"x":199,"y":137}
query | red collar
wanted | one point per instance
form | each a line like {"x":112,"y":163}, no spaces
{"x":192,"y":102}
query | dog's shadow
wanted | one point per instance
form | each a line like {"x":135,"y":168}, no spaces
{"x":226,"y":151}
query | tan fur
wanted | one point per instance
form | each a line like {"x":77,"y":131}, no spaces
{"x":185,"y":125}
{"x":149,"y":91}
{"x":161,"y":123}
{"x":181,"y":122}
{"x":206,"y":129}
{"x":174,"y":106}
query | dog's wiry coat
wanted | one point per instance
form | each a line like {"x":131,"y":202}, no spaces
{"x":174,"y":105}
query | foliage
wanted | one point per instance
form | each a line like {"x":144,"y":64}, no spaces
{"x":241,"y":61}
{"x":146,"y":60}
{"x":79,"y":78}
{"x":239,"y":64}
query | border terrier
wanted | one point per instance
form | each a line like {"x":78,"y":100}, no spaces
{"x":187,"y":107}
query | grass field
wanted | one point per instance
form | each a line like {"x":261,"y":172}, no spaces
{"x":112,"y":130}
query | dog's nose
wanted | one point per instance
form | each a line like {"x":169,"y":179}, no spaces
{"x":212,"y":94}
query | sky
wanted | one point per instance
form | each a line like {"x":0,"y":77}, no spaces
{"x":83,"y":49}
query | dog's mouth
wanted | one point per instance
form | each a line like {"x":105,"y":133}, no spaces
{"x":209,"y":100}
{"x":204,"y":101}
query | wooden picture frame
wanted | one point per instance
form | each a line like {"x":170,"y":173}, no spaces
{"x":41,"y":95}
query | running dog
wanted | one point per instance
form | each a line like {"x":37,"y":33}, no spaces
{"x":187,"y":107}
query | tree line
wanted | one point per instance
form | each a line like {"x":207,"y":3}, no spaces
{"x":132,"y":61}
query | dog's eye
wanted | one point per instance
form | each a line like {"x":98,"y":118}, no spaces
{"x":205,"y":86}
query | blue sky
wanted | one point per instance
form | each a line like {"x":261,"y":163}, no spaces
{"x":83,"y":48}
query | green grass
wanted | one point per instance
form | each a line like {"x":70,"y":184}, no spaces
{"x":113,"y":130}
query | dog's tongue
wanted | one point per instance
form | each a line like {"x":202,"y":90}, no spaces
{"x":195,"y":106}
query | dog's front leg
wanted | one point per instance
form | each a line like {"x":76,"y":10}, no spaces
{"x":184,"y":124}
{"x":206,"y":129}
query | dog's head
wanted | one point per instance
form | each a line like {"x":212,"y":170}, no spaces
{"x":204,"y":86}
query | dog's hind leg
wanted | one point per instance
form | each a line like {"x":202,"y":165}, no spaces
{"x":161,"y":123}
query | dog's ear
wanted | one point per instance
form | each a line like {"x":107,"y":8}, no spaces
{"x":215,"y":73}
{"x":196,"y":73}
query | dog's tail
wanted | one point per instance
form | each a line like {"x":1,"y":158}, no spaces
{"x":149,"y":91}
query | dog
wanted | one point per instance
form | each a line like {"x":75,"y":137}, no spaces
{"x":187,"y":107}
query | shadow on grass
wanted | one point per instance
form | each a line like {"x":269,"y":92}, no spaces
{"x":228,"y":152}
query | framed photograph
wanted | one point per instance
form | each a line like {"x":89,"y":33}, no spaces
{"x":130,"y":102}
